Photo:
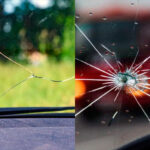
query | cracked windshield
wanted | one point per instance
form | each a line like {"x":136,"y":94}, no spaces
{"x":36,"y":53}
{"x":112,"y":72}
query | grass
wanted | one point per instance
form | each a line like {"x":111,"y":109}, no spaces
{"x":37,"y":92}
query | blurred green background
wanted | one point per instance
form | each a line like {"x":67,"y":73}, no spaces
{"x":40,"y":36}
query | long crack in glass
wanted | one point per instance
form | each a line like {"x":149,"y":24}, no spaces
{"x":32,"y":75}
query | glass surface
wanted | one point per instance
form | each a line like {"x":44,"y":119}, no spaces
{"x":112,"y":73}
{"x":36,"y":48}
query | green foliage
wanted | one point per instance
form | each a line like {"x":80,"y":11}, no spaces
{"x":28,"y":28}
{"x":68,"y":39}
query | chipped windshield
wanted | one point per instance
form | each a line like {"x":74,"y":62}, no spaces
{"x":112,"y":72}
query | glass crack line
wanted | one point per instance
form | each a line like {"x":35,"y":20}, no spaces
{"x":88,"y":64}
{"x":97,"y":99}
{"x":95,"y":48}
{"x":15,"y":85}
{"x":31,"y":76}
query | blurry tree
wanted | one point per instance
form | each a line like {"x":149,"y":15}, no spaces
{"x":29,"y":28}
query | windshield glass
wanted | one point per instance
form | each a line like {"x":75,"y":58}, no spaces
{"x":36,"y":53}
{"x":112,"y":72}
